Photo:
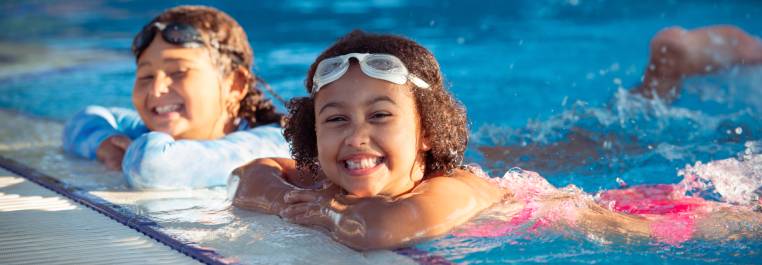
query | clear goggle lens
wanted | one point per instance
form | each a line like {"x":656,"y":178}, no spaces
{"x":380,"y":66}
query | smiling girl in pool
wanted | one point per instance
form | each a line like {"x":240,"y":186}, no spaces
{"x":388,"y":139}
{"x":199,"y":111}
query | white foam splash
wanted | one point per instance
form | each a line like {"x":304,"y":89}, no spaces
{"x":735,"y":179}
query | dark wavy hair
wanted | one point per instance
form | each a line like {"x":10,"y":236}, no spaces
{"x":213,"y":23}
{"x":442,"y":117}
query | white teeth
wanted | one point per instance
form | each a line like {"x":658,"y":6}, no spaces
{"x":167,"y":108}
{"x":362,"y":163}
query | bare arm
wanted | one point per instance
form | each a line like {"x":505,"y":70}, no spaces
{"x":431,"y":209}
{"x":265,"y":181}
{"x":674,"y":55}
{"x":677,"y":53}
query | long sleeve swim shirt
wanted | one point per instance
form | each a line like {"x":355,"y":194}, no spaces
{"x":155,"y":160}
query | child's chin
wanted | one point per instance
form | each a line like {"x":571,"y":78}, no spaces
{"x":172,"y":130}
{"x":361,"y":193}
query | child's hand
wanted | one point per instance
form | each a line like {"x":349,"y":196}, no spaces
{"x":314,"y":207}
{"x":111,"y":151}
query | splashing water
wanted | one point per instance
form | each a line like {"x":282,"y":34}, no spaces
{"x":735,"y":179}
{"x":638,"y":140}
{"x":527,"y":207}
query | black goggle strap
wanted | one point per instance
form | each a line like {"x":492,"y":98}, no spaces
{"x":179,"y":34}
{"x":266,"y":86}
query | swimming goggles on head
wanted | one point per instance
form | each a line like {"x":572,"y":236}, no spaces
{"x":380,"y":66}
{"x":178,"y":34}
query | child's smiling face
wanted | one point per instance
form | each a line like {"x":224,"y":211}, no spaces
{"x":180,"y":91}
{"x":368,"y":135}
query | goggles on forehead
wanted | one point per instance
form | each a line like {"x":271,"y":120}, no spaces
{"x":380,"y":66}
{"x":178,"y":34}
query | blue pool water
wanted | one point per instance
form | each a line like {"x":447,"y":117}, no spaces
{"x":529,"y":72}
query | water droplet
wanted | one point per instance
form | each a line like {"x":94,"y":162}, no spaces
{"x":739,"y":131}
{"x":621,"y":182}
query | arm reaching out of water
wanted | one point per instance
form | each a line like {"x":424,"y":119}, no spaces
{"x":102,"y":133}
{"x":677,"y":53}
{"x":118,"y":138}
{"x":111,"y":151}
{"x":156,"y":160}
{"x":264,"y":183}
{"x":85,"y":133}
{"x":431,"y":209}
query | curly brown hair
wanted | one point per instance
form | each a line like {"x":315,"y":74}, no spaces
{"x":442,"y":117}
{"x":237,"y":54}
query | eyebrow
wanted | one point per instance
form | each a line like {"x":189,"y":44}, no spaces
{"x":169,"y":60}
{"x":369,"y":102}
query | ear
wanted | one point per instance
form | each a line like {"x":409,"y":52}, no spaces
{"x":238,"y":81}
{"x":425,"y":144}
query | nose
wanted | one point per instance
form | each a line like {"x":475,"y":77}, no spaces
{"x":359,"y":135}
{"x":160,"y":84}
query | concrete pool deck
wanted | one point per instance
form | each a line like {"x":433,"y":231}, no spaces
{"x":42,"y":227}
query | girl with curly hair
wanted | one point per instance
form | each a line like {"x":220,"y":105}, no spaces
{"x":386,"y":139}
{"x":200,"y":113}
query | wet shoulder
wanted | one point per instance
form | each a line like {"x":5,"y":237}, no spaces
{"x":465,"y":182}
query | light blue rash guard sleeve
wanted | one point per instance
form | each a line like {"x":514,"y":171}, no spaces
{"x":157,"y":161}
{"x":90,"y":127}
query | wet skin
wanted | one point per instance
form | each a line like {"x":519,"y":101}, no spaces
{"x":368,"y":134}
